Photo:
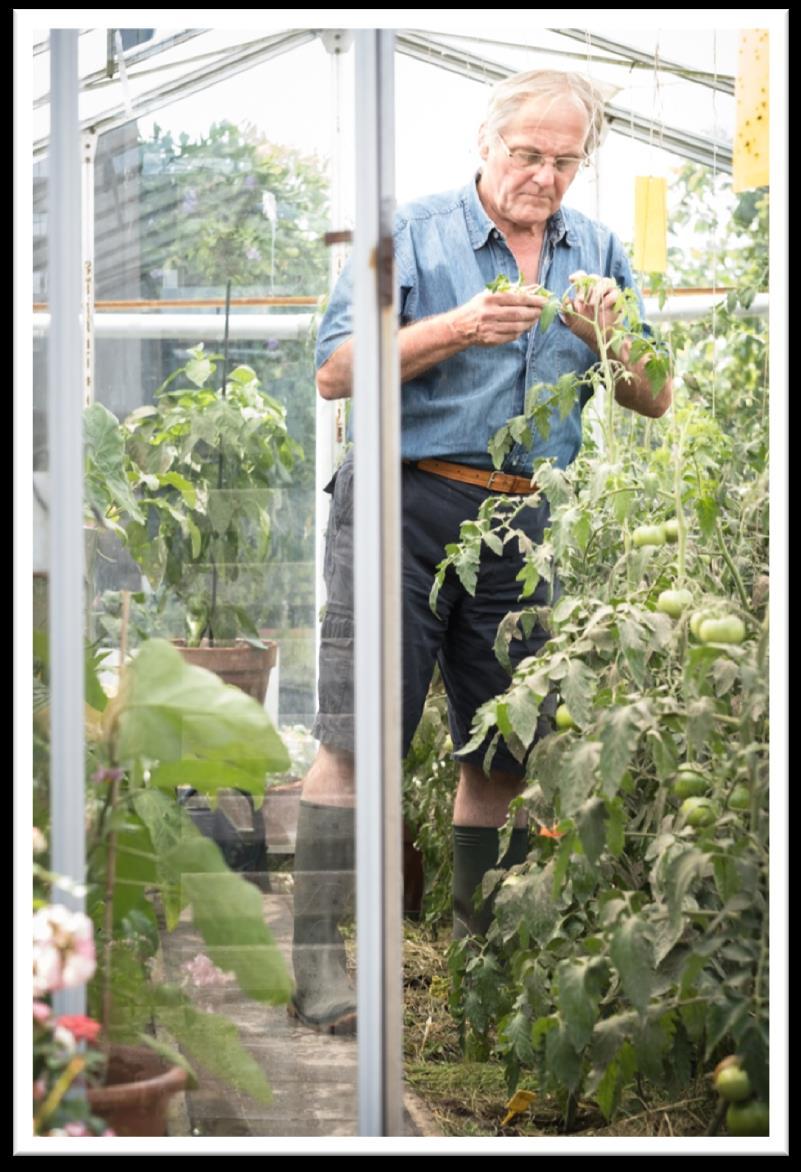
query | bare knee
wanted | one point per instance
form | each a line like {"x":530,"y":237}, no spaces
{"x":484,"y":801}
{"x":330,"y":779}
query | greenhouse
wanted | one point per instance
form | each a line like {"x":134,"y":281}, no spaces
{"x":401,"y":409}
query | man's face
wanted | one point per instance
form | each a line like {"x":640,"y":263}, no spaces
{"x":521,"y":200}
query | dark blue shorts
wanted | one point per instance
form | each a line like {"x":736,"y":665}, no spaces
{"x":459,"y":638}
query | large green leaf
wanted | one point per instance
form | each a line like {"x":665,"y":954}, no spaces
{"x":171,"y":710}
{"x":619,"y":736}
{"x":591,"y":823}
{"x":686,"y":866}
{"x":578,"y":780}
{"x":632,"y":953}
{"x":579,"y":997}
{"x":561,"y":1060}
{"x":227,"y":911}
{"x":578,"y":689}
{"x":214,"y":1043}
{"x":532,"y":901}
{"x":135,"y":868}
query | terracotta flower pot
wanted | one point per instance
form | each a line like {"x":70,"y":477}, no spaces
{"x":135,"y":1098}
{"x":244,"y":666}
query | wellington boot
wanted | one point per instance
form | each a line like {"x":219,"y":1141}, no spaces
{"x":475,"y":851}
{"x":324,"y":996}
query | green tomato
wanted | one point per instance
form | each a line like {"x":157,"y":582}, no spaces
{"x":726,"y":630}
{"x":649,"y":535}
{"x":733,"y":1084}
{"x":689,"y":783}
{"x":748,"y":1118}
{"x":696,"y":618}
{"x":740,"y":798}
{"x":563,"y":718}
{"x":673,"y":602}
{"x":698,"y":811}
{"x":672,"y":530}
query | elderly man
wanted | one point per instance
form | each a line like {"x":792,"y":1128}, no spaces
{"x":467,"y":357}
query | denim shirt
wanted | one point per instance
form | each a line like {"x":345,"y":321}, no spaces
{"x":447,"y":249}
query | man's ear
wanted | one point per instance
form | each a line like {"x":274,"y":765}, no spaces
{"x":483,"y":140}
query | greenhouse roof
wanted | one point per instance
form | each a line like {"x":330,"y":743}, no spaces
{"x":672,"y":91}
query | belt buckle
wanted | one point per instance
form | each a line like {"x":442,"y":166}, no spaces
{"x":493,"y":474}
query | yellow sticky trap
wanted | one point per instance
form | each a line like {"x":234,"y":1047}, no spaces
{"x":751,"y":93}
{"x":518,"y":1105}
{"x":650,"y":224}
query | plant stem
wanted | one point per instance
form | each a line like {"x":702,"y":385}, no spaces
{"x":732,"y":568}
{"x":220,"y":462}
{"x":111,"y":858}
{"x":71,"y":1072}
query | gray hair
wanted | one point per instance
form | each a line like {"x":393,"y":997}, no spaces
{"x":513,"y":92}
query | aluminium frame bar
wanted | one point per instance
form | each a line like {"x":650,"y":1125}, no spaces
{"x":66,"y":559}
{"x":246,"y":57}
{"x":377,"y":599}
{"x":133,"y":57}
{"x":696,"y":148}
{"x":722,"y":82}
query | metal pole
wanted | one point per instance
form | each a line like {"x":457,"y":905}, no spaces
{"x":66,"y":495}
{"x":376,"y":403}
{"x":329,"y":416}
{"x":88,"y":150}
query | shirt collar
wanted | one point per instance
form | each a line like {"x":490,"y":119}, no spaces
{"x":479,"y":224}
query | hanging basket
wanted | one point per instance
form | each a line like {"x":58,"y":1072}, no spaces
{"x":136,"y":1096}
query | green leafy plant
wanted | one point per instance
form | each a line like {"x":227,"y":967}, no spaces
{"x":169,"y":724}
{"x":632,"y":946}
{"x":203,"y":470}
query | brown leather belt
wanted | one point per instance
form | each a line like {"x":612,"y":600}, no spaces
{"x":495,"y":481}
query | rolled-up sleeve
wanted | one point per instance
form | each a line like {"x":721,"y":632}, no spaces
{"x":337,"y":322}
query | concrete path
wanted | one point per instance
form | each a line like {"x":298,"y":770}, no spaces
{"x":312,"y":1076}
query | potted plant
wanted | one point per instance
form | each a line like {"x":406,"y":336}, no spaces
{"x":146,"y":864}
{"x":202,"y":469}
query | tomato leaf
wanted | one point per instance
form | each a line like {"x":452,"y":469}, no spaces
{"x":620,"y":733}
{"x":685,"y":867}
{"x":561,"y":1060}
{"x":578,"y":688}
{"x":579,"y":997}
{"x":578,"y":780}
{"x":591,"y":823}
{"x":632,"y":953}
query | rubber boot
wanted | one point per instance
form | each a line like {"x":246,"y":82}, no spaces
{"x":475,"y":851}
{"x":324,"y":996}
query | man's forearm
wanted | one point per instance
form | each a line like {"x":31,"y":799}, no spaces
{"x":421,"y":345}
{"x":632,"y":386}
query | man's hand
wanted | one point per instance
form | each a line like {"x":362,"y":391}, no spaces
{"x":596,"y":299}
{"x":600,"y":299}
{"x":490,"y":319}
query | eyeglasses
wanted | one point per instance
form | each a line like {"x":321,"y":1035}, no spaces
{"x":523,"y":160}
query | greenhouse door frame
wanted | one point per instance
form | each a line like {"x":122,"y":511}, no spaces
{"x":378,"y":693}
{"x":377,"y":597}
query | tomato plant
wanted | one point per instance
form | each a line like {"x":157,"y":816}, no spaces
{"x":633,"y":944}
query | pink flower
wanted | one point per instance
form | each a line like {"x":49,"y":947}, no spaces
{"x":76,"y":1129}
{"x":63,"y":949}
{"x":41,"y":1011}
{"x":83,"y":1029}
{"x":39,"y":1090}
{"x":202,"y":972}
{"x":64,"y":1039}
{"x":101,"y":775}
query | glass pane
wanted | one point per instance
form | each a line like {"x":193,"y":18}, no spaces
{"x":211,"y":515}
